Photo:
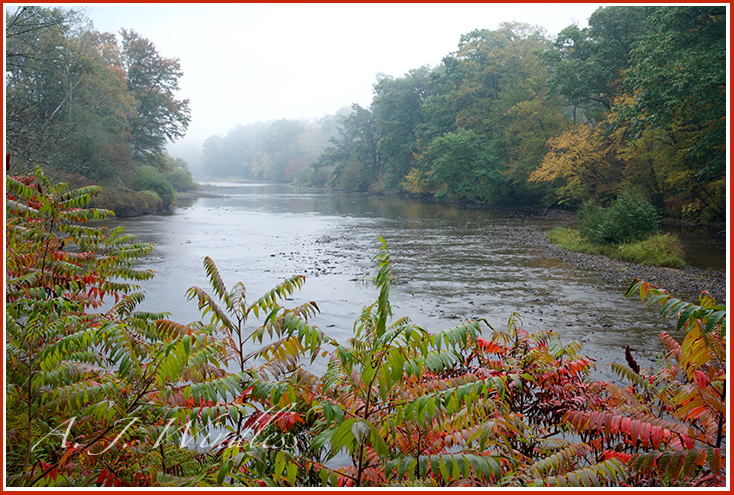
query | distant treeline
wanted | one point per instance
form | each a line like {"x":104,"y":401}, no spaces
{"x":270,"y":151}
{"x":635,"y":101}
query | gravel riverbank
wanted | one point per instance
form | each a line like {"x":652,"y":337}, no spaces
{"x":686,"y":284}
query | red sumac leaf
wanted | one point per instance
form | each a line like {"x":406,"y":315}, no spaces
{"x":592,"y":420}
{"x":645,"y":433}
{"x":616,"y":420}
{"x":111,"y":478}
{"x":656,"y":436}
{"x":102,"y":476}
{"x":634,"y":431}
{"x":625,"y":425}
{"x":714,"y":460}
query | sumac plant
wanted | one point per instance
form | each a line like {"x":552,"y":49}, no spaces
{"x":475,"y":406}
{"x":400,"y":406}
{"x":57,"y":268}
{"x":669,"y":424}
{"x":110,"y":397}
{"x":99,"y":394}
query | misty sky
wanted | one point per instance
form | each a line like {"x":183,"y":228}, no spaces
{"x":250,"y":62}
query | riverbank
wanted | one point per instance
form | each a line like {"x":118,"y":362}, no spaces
{"x":686,"y":283}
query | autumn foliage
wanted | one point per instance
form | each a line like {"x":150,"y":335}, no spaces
{"x":99,"y":394}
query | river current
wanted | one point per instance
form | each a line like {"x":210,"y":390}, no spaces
{"x":451,"y":263}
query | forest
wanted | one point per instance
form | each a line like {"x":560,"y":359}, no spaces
{"x":101,"y":394}
{"x":635,"y":101}
{"x":92,"y":111}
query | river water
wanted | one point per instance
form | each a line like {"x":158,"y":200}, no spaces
{"x":451,"y":264}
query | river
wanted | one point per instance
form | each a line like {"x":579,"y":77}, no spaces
{"x":451,"y":264}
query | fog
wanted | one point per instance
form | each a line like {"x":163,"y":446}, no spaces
{"x":245,"y":63}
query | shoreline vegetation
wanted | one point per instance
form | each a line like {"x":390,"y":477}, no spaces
{"x":663,"y":250}
{"x":686,"y":283}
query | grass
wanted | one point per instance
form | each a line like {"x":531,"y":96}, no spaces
{"x":657,"y":250}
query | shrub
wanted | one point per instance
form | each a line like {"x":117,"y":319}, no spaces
{"x":149,"y":179}
{"x":128,"y":203}
{"x":150,"y":201}
{"x":180,"y":179}
{"x":630,"y":218}
{"x":669,"y":425}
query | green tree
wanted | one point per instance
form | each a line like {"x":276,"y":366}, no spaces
{"x":497,"y":89}
{"x":589,"y":64}
{"x":397,"y":109}
{"x":678,"y":83}
{"x":466,"y":168}
{"x":158,"y":117}
{"x":353,"y":158}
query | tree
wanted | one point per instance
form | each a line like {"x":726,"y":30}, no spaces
{"x":496,"y":88}
{"x":100,"y":149}
{"x":465,"y":167}
{"x":80,"y":107}
{"x":279,"y":144}
{"x":589,"y":64}
{"x":396,"y":108}
{"x":582,"y":164}
{"x":234,"y":154}
{"x":529,"y":126}
{"x":41,"y":74}
{"x":677,"y":81}
{"x":354,"y":157}
{"x":153,"y":80}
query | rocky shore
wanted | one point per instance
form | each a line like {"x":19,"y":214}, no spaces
{"x":686,"y":284}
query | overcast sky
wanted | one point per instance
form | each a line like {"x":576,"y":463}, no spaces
{"x":248,"y":62}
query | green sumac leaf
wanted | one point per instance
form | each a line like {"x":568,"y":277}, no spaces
{"x":423,"y":463}
{"x":714,"y":319}
{"x":359,"y":430}
{"x":683,"y":318}
{"x":223,"y":472}
{"x":342,"y":437}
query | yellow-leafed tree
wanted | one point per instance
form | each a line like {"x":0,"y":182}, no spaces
{"x":583,"y":163}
